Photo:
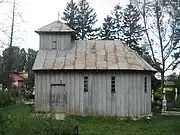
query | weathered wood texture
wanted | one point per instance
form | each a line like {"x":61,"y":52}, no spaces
{"x":130,"y":98}
{"x":62,"y":41}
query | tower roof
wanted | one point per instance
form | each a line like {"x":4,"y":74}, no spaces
{"x":56,"y":26}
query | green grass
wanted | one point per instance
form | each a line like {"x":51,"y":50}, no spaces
{"x":159,"y":125}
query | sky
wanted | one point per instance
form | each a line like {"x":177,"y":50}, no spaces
{"x":37,"y":13}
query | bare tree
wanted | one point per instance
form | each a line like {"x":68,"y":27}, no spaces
{"x":158,"y":18}
{"x":12,"y":26}
{"x":11,"y":29}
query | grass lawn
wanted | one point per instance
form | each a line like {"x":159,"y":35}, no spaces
{"x":159,"y":125}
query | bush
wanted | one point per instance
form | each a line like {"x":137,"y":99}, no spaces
{"x":158,"y":95}
{"x":5,"y":99}
{"x":8,"y":97}
{"x":23,"y":125}
{"x":14,"y":93}
{"x":3,"y":124}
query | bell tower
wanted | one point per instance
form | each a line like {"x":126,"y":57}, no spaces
{"x":55,"y":36}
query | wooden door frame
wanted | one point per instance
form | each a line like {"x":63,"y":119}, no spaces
{"x":50,"y":93}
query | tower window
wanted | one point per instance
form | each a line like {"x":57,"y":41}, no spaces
{"x":113,"y":84}
{"x":54,"y":45}
{"x":85,"y":83}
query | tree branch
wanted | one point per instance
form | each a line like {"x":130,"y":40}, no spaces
{"x":170,"y":64}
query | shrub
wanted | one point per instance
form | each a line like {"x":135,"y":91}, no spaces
{"x":3,"y":124}
{"x":8,"y":97}
{"x":14,"y":93}
{"x":5,"y":99}
{"x":158,"y":95}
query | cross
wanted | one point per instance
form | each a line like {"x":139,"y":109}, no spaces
{"x":58,"y":16}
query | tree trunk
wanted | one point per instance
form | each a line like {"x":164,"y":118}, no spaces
{"x":10,"y":45}
{"x":162,"y":80}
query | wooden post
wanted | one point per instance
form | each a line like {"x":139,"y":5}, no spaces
{"x":164,"y":101}
{"x":176,"y":94}
{"x":152,"y":96}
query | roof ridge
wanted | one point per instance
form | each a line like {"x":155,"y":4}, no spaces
{"x":45,"y":25}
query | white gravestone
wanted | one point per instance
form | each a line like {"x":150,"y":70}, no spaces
{"x":152,"y":96}
{"x":176,"y":93}
{"x":164,"y":101}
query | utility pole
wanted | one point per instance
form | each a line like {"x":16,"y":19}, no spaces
{"x":12,"y":25}
{"x":10,"y":44}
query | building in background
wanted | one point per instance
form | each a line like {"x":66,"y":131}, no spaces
{"x":18,"y":78}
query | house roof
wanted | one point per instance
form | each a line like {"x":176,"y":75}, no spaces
{"x":18,"y":76}
{"x":92,"y":54}
{"x":56,"y":26}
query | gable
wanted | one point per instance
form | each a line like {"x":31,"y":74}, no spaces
{"x":56,"y":26}
{"x":92,"y":54}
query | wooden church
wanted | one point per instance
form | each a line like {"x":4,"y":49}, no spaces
{"x":89,"y":77}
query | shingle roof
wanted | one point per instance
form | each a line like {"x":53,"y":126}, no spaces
{"x":92,"y":54}
{"x":56,"y":26}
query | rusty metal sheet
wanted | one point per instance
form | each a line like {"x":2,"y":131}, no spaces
{"x":80,"y":55}
{"x":70,"y":58}
{"x":40,"y":58}
{"x":92,"y":54}
{"x":50,"y":59}
{"x":60,"y":58}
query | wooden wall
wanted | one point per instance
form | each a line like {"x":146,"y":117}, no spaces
{"x":63,"y":41}
{"x":130,"y":98}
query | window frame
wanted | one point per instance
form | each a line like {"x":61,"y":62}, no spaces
{"x":145,"y":84}
{"x":86,"y":78}
{"x":113,"y":84}
{"x":54,"y":44}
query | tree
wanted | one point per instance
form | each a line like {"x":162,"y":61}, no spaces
{"x":159,"y":21}
{"x":86,"y":19}
{"x":70,"y":15}
{"x":107,"y":31}
{"x":117,"y":19}
{"x":132,"y":31}
{"x":31,"y":56}
{"x":12,"y":30}
{"x":22,"y":59}
{"x":12,"y":33}
{"x":12,"y":62}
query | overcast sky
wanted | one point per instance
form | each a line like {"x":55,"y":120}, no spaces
{"x":38,"y":13}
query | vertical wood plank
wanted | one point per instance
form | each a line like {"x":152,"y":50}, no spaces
{"x":126,"y":94}
{"x":123,"y":95}
{"x":37,"y":92}
{"x":103,"y":93}
{"x":108,"y":91}
{"x":99,"y":83}
{"x":81,"y":102}
{"x":90,"y":96}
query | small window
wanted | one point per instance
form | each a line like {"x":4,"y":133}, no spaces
{"x":113,"y":84}
{"x":145,"y":84}
{"x":54,"y":45}
{"x":86,"y":84}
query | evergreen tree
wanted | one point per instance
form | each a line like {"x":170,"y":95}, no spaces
{"x":131,"y":29}
{"x":107,"y":31}
{"x":86,"y":19}
{"x":22,"y":60}
{"x":70,"y":15}
{"x":117,"y":18}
